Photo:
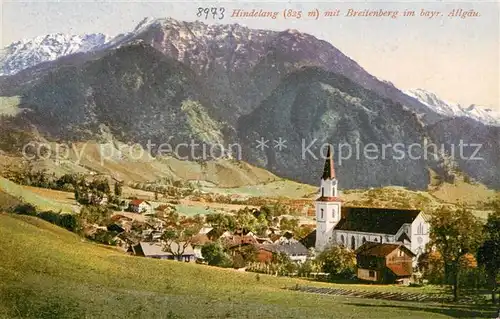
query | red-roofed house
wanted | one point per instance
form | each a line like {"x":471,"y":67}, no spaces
{"x":384,"y":263}
{"x":140,"y":206}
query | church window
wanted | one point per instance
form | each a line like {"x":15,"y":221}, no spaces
{"x":322,"y":191}
{"x":353,"y":243}
{"x":420,"y":230}
{"x":364,"y":240}
{"x":342,"y":239}
{"x":333,"y":213}
{"x":322,"y":212}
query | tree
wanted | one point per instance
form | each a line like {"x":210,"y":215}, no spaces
{"x":98,"y":215}
{"x":221,"y":222}
{"x":289,"y":224}
{"x":178,"y":234}
{"x":454,"y":233}
{"x":98,"y":188}
{"x":488,"y":254}
{"x":118,"y":189}
{"x":245,"y":253}
{"x":432,"y":265}
{"x":245,"y":220}
{"x":214,"y":255}
{"x":338,"y":262}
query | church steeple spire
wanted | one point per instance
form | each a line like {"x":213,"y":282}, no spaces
{"x":328,"y":205}
{"x":329,"y":169}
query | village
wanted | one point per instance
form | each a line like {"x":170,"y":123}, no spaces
{"x":371,"y":244}
{"x":318,"y":239}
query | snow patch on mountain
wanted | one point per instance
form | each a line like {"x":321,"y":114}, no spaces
{"x":453,"y":109}
{"x":26,"y":53}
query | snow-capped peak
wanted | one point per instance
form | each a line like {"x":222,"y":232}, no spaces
{"x":453,"y":109}
{"x":26,"y":53}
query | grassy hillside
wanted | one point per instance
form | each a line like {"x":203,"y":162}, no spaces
{"x":48,"y":272}
{"x":133,"y":164}
{"x":44,"y":199}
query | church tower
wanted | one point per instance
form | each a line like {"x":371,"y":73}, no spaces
{"x":327,"y":205}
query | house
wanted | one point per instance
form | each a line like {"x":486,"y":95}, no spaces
{"x":239,"y":240}
{"x":96,"y":199}
{"x":353,"y":226}
{"x":115,"y":227}
{"x":164,"y":208}
{"x":120,"y":223}
{"x":198,"y":241}
{"x":205,"y":230}
{"x":156,"y":250}
{"x":151,"y":234}
{"x":140,"y":206}
{"x":286,"y":237}
{"x":384,"y":263}
{"x":265,"y":253}
{"x":263,"y":240}
{"x":294,"y":249}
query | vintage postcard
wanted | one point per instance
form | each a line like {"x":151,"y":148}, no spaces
{"x":286,"y":159}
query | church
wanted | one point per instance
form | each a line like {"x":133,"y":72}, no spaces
{"x":353,"y":226}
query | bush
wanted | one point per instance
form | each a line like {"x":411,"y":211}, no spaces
{"x":105,"y":237}
{"x":68,"y":221}
{"x":25,"y":209}
{"x":49,"y":216}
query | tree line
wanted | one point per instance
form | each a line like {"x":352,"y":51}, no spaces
{"x":463,"y":249}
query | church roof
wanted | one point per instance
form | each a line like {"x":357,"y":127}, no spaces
{"x":375,"y":220}
{"x":329,"y":169}
{"x":329,"y":199}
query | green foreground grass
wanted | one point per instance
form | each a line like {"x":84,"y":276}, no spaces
{"x":47,"y":272}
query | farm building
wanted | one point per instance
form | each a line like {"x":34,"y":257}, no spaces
{"x":384,"y":263}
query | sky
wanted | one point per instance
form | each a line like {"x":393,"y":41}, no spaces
{"x":457,"y":58}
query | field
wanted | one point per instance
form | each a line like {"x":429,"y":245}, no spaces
{"x":44,"y":199}
{"x":51,"y":273}
{"x":279,"y":188}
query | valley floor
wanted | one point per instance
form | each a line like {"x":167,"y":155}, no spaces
{"x":48,"y":272}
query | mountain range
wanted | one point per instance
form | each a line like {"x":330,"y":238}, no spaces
{"x":228,"y":83}
{"x":27,"y":53}
{"x":452,"y":109}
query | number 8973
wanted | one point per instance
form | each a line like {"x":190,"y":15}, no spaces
{"x":213,"y":13}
